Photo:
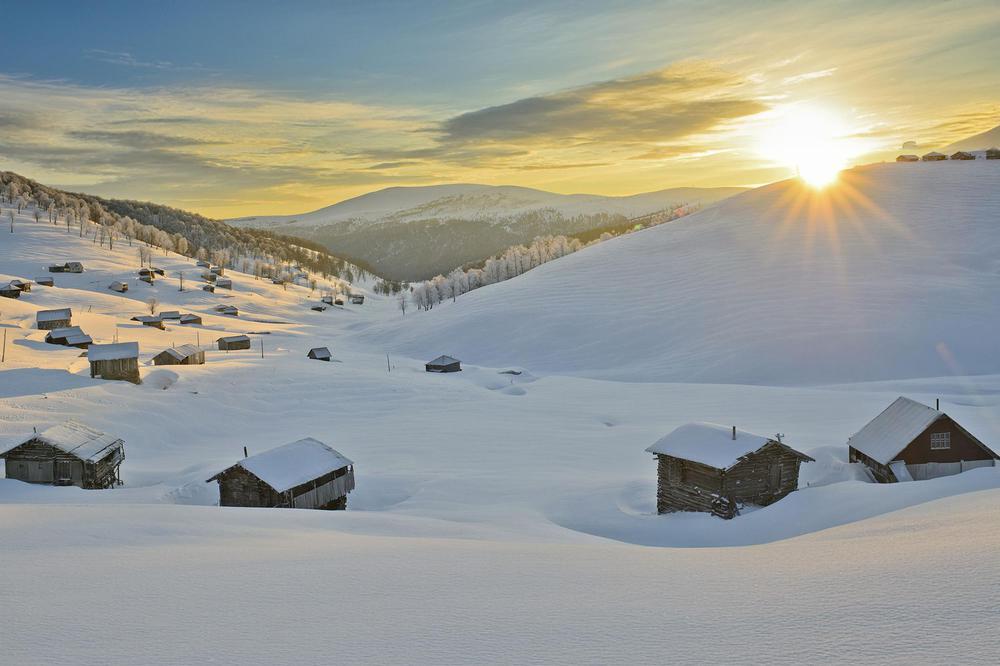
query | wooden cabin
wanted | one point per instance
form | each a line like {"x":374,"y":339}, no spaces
{"x":73,"y":267}
{"x":209,"y":276}
{"x":233,"y":342}
{"x":10,"y":291}
{"x":327,"y":299}
{"x":120,"y":287}
{"x":358,"y":299}
{"x":444,"y":364}
{"x":306,"y":474}
{"x":208,"y":287}
{"x":218,"y":270}
{"x":182,"y":355}
{"x":338,"y":301}
{"x":934,"y":157}
{"x":320,"y":354}
{"x":47,"y":320}
{"x":69,"y":454}
{"x":190,"y":319}
{"x":148,"y":278}
{"x":962,"y":155}
{"x":910,"y":441}
{"x":907,"y":158}
{"x":318,"y":308}
{"x":230,"y":310}
{"x":71,"y":336}
{"x":23,"y":285}
{"x":158,"y":271}
{"x":119,"y":360}
{"x":45,"y":281}
{"x":170,"y":314}
{"x":718,"y":470}
{"x":224,"y":283}
{"x":993,"y":154}
{"x":57,"y":268}
{"x":202,"y":264}
{"x":153,"y":321}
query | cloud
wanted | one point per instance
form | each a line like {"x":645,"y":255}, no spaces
{"x":139,"y":140}
{"x":126,"y":59}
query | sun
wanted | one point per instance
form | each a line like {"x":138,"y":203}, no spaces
{"x":809,"y":139}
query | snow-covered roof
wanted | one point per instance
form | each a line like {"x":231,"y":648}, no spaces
{"x":170,"y":314}
{"x":322,"y":352}
{"x":891,"y":431}
{"x":709,"y":443}
{"x":66,"y":332}
{"x":188,"y":317}
{"x":292,"y":464}
{"x":113,"y":352}
{"x":444,"y":360}
{"x":934,"y":153}
{"x":82,"y":441}
{"x":152,"y":319}
{"x":181,"y":352}
{"x":54,"y":315}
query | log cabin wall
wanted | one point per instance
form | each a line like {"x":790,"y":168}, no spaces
{"x":38,"y":462}
{"x":238,"y":487}
{"x":126,"y":369}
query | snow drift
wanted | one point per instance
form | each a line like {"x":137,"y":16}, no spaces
{"x":891,"y":273}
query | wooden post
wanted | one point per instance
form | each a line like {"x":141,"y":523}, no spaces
{"x":262,"y":347}
{"x":245,"y":454}
{"x":388,"y":368}
{"x":734,"y":432}
{"x":937,"y":404}
{"x":3,"y":356}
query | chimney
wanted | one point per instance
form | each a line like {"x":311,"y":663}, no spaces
{"x":245,"y":454}
{"x":937,"y":404}
{"x":734,"y":432}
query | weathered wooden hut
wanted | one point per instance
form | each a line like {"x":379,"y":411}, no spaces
{"x":73,"y":267}
{"x":993,"y":154}
{"x":224,"y":283}
{"x":47,"y":320}
{"x":190,"y":319}
{"x":934,"y":157}
{"x":23,"y":285}
{"x":202,"y":264}
{"x":120,"y":287}
{"x":208,"y":287}
{"x":320,"y":354}
{"x":170,"y":314}
{"x":69,"y":454}
{"x":358,"y":299}
{"x":182,"y":355}
{"x":910,"y":441}
{"x":962,"y":155}
{"x":45,"y":281}
{"x":908,"y":158}
{"x":338,"y":301}
{"x":10,"y":291}
{"x":318,"y":308}
{"x":71,"y":336}
{"x":57,"y":268}
{"x":153,"y":321}
{"x":444,"y":364}
{"x":306,"y":474}
{"x":209,"y":276}
{"x":233,"y":342}
{"x":218,"y":270}
{"x":327,"y":299}
{"x":119,"y":360}
{"x":158,"y":271}
{"x":230,"y":310}
{"x":715,"y":469}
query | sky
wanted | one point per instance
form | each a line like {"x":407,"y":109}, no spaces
{"x":250,"y":108}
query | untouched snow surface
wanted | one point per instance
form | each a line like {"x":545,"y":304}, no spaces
{"x":893,"y":273}
{"x":498,"y":518}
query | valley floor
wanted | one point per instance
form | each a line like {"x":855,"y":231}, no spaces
{"x":497,"y":518}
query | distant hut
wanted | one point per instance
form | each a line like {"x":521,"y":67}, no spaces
{"x":993,"y":154}
{"x":150,"y":320}
{"x":230,"y":310}
{"x":120,"y":287}
{"x":218,"y":270}
{"x":202,"y":264}
{"x":170,"y":314}
{"x":71,"y":336}
{"x":73,"y":267}
{"x":190,"y":319}
{"x":119,"y":360}
{"x":358,"y":299}
{"x":57,"y":268}
{"x":233,"y":342}
{"x":10,"y":291}
{"x":182,"y":355}
{"x":327,"y":299}
{"x":48,"y":319}
{"x":45,"y":281}
{"x":224,"y":283}
{"x":444,"y":364}
{"x":306,"y":474}
{"x":208,"y":287}
{"x":338,"y":301}
{"x":69,"y":454}
{"x":23,"y":285}
{"x":320,"y":354}
{"x":908,"y":158}
{"x":209,"y":276}
{"x":318,"y":308}
{"x":934,"y":157}
{"x":715,"y":469}
{"x":158,"y":271}
{"x":910,"y":441}
{"x":962,"y":155}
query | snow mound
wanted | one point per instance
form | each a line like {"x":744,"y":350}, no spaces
{"x":890,"y":274}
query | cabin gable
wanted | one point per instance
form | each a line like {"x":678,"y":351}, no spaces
{"x":944,"y":441}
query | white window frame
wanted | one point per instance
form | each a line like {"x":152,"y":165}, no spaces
{"x":940,"y":441}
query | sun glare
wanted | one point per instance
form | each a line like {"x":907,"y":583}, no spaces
{"x":811,"y":140}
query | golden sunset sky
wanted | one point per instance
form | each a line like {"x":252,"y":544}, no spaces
{"x":233,"y":109}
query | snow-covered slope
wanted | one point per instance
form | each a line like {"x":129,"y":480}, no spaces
{"x":892,"y":273}
{"x":982,"y":141}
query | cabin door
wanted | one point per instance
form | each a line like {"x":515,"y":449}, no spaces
{"x":64,"y":471}
{"x":774,"y":477}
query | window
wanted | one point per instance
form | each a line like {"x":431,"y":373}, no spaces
{"x":940,"y":440}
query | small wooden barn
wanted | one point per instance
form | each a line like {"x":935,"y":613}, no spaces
{"x":233,"y":342}
{"x":45,"y":281}
{"x":715,"y":469}
{"x":358,"y":299}
{"x":908,"y":158}
{"x":23,"y":285}
{"x":10,"y":291}
{"x":306,"y":474}
{"x":208,"y":287}
{"x":209,"y":276}
{"x":71,"y":336}
{"x":73,"y":267}
{"x":47,"y":320}
{"x":230,"y":310}
{"x":202,"y":264}
{"x":218,"y":270}
{"x":444,"y":364}
{"x":993,"y":154}
{"x":120,"y":287}
{"x":190,"y":319}
{"x":934,"y":157}
{"x":327,"y":299}
{"x":320,"y":354}
{"x":910,"y":441}
{"x":224,"y":283}
{"x":69,"y":454}
{"x":57,"y":268}
{"x":119,"y":360}
{"x":962,"y":155}
{"x":182,"y":355}
{"x":338,"y":301}
{"x":318,"y":308}
{"x":153,"y":321}
{"x":170,"y":314}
